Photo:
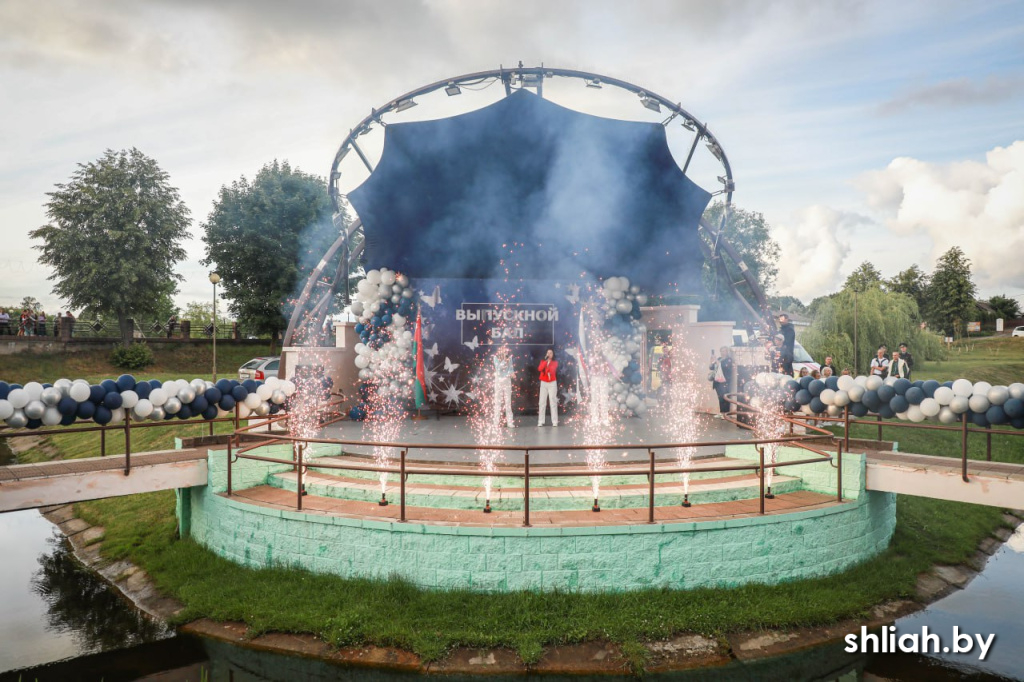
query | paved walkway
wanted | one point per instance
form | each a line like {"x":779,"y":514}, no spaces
{"x":996,"y":484}
{"x":19,"y":472}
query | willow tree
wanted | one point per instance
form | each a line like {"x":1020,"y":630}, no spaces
{"x":851,"y":325}
{"x":115,"y":233}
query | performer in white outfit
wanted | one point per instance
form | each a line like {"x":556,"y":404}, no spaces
{"x":548,"y":369}
{"x":502,"y":387}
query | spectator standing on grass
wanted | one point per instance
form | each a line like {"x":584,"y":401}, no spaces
{"x":788,"y":343}
{"x":5,"y":323}
{"x":907,"y":357}
{"x":879,"y":363}
{"x":898,"y":368}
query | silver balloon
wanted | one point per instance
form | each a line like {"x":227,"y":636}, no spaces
{"x":62,"y":385}
{"x":18,"y":420}
{"x":172,"y":406}
{"x":278,"y":397}
{"x":186,"y":394}
{"x":35,"y":409}
{"x":262,"y":410}
{"x":198,"y":385}
{"x":51,"y":396}
{"x":157,"y":414}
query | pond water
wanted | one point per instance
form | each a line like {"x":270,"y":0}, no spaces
{"x":59,"y":621}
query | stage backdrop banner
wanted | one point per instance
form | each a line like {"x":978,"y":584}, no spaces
{"x":465,"y":320}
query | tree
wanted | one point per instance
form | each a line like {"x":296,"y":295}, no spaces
{"x":865,"y":277}
{"x":262,"y":236}
{"x":790,"y":304}
{"x":1005,"y":307}
{"x":750,"y":234}
{"x":912,"y":282}
{"x":30,"y":303}
{"x":951,"y":293}
{"x":115,"y":234}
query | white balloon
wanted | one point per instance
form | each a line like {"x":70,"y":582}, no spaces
{"x":863,"y":381}
{"x":6,"y":410}
{"x":930,"y":407}
{"x":827,"y":396}
{"x":383,"y":291}
{"x":35,"y":409}
{"x":361,"y":361}
{"x":373,"y":277}
{"x":873,"y":383}
{"x":856,"y":393}
{"x":841,"y":399}
{"x":172,"y":406}
{"x":979,"y":403}
{"x":981,"y":388}
{"x":889,"y":381}
{"x":904,"y":416}
{"x":834,"y":410}
{"x":845,"y":382}
{"x":158,"y":396}
{"x":959,"y":404}
{"x":264,"y":391}
{"x":142,"y":409}
{"x":243,"y":411}
{"x":79,"y":392}
{"x":616,"y":294}
{"x":1016,"y":390}
{"x":623,"y":306}
{"x":130,"y":399}
{"x":398,"y":320}
{"x":356,"y":308}
{"x":947,"y":416}
{"x":19,"y":398}
{"x":288,"y":387}
{"x":944,"y":395}
{"x":50,"y":396}
{"x":963,"y":387}
{"x":52,"y":416}
{"x":117,"y":416}
{"x":915,"y":414}
{"x":272,"y":382}
{"x":641,"y":299}
{"x":252,"y":401}
{"x":34,"y":390}
{"x":997,"y":395}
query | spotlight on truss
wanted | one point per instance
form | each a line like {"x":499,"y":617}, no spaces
{"x":649,"y":102}
{"x":594,"y":83}
{"x":404,"y":104}
{"x":730,"y":186}
{"x":452,"y":89}
{"x":530,"y":80}
{"x":688,"y":124}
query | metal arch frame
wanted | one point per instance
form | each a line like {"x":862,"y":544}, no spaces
{"x":525,"y":77}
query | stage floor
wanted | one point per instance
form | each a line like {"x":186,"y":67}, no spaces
{"x":629,"y":436}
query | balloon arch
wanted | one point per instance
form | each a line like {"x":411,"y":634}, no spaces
{"x":314,"y":302}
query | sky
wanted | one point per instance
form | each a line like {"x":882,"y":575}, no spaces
{"x":876,"y":131}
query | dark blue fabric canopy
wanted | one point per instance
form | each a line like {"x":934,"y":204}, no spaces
{"x":535,"y":188}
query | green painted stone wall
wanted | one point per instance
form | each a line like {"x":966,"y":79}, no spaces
{"x":768,"y":549}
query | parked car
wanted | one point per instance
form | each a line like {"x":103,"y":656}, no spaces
{"x":801,"y":359}
{"x":259,"y":368}
{"x":1017,"y":331}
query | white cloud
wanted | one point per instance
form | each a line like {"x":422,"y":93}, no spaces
{"x":978,"y":206}
{"x":812,"y":250}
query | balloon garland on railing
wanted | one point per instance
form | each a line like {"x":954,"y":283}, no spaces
{"x":623,"y":343}
{"x":65,"y":402}
{"x":980,"y":402}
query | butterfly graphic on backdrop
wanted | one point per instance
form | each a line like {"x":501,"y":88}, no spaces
{"x":433,"y":299}
{"x":474,"y":344}
{"x":574,"y":294}
{"x":450,"y":366}
{"x":431,"y":352}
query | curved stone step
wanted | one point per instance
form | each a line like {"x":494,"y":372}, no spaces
{"x":668,"y":492}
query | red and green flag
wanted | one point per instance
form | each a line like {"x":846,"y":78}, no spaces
{"x":420,"y":384}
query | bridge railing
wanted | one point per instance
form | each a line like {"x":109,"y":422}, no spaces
{"x":523,"y":470}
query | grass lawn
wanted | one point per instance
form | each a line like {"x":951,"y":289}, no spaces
{"x":998,"y":360}
{"x":430,"y":623}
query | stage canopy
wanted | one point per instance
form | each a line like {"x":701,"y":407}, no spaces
{"x":528,"y":186}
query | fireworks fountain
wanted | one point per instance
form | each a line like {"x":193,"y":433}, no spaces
{"x":769,"y":422}
{"x":682,"y":394}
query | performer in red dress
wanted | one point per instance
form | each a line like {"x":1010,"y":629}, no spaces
{"x":548,"y":369}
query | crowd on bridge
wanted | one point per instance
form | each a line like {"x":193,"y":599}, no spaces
{"x":30,"y":322}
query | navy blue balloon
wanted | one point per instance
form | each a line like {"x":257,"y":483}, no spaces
{"x":112,"y":400}
{"x":67,"y":406}
{"x":996,"y":415}
{"x":5,"y":390}
{"x":143,"y":388}
{"x":224,"y":386}
{"x":155,"y":383}
{"x":918,"y":382}
{"x":249,"y":385}
{"x":109,"y":386}
{"x":360,"y":327}
{"x":168,"y":416}
{"x":375,"y":321}
{"x":234,"y":382}
{"x":791,"y":405}
{"x":806,"y":381}
{"x":979,"y":419}
{"x":817,"y":407}
{"x":97,"y":394}
{"x":1014,"y":408}
{"x":34,"y":423}
{"x":102,"y":415}
{"x":858,"y":409}
{"x":227,"y":403}
{"x":213,"y":395}
{"x":199,"y":404}
{"x":816,"y":387}
{"x":275,"y":408}
{"x":47,"y":385}
{"x":885,"y":412}
{"x":185,"y":412}
{"x":86,"y":410}
{"x":239,"y":393}
{"x":1017,"y":423}
{"x":871,"y":400}
{"x":914,"y":395}
{"x":793,"y":386}
{"x":929,"y":387}
{"x":14,"y":386}
{"x":125,"y":382}
{"x":886,"y":393}
{"x":899,"y":404}
{"x":803,"y":396}
{"x":210,"y":412}
{"x":901,"y":386}
{"x":948,"y":384}
{"x":833,"y":383}
{"x":68,"y":419}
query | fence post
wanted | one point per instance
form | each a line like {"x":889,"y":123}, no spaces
{"x":879,"y":427}
{"x":401,"y":488}
{"x":298,"y":476}
{"x":229,"y":466}
{"x":650,"y":494}
{"x":846,"y":426}
{"x":526,"y":489}
{"x":760,"y":471}
{"x":103,"y":441}
{"x":839,"y":474}
{"x":127,"y":442}
{"x":963,"y":448}
{"x":988,"y":445}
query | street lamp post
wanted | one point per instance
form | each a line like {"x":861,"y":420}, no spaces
{"x":214,"y":279}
